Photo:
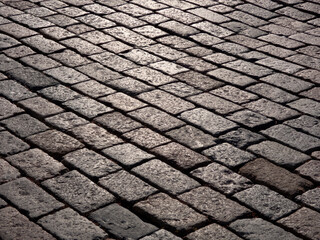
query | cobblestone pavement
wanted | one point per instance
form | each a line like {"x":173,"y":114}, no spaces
{"x":160,"y":119}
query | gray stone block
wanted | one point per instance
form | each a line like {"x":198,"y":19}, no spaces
{"x":9,"y":144}
{"x":7,"y":172}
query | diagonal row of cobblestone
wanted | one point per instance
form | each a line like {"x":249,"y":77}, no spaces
{"x":159,"y":120}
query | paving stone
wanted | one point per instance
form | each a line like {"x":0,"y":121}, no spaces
{"x":133,"y":10}
{"x":9,"y":144}
{"x":7,"y":171}
{"x":116,"y":46}
{"x":8,"y":64}
{"x":96,"y":37}
{"x":66,"y":75}
{"x":14,"y":225}
{"x":196,"y":64}
{"x":40,"y":106}
{"x":199,"y":80}
{"x":214,"y":204}
{"x":24,"y":125}
{"x":14,"y":91}
{"x":7,"y":109}
{"x":241,"y":137}
{"x":246,"y":18}
{"x":71,"y":11}
{"x":304,"y":221}
{"x":232,"y":77}
{"x":78,"y":191}
{"x":117,"y":122}
{"x":99,"y":72}
{"x":311,"y":198}
{"x":249,"y":119}
{"x":310,"y":169}
{"x":246,"y":41}
{"x":199,"y":51}
{"x":149,"y":4}
{"x":27,"y":196}
{"x":121,"y":222}
{"x":169,"y":67}
{"x":291,"y":137}
{"x":287,"y":82}
{"x":310,"y":74}
{"x":180,"y":155}
{"x":165,"y":177}
{"x":183,"y":5}
{"x":55,"y":142}
{"x":276,"y":51}
{"x":262,"y":171}
{"x":78,"y":226}
{"x":130,"y":86}
{"x":176,"y":42}
{"x":96,"y":21}
{"x":180,"y":89}
{"x":209,"y":15}
{"x":221,"y":178}
{"x":257,"y":11}
{"x":79,"y":28}
{"x":165,"y":52}
{"x":273,"y":93}
{"x":212,"y":231}
{"x":270,"y":204}
{"x":215,"y":103}
{"x":129,"y":36}
{"x":208,"y":121}
{"x":248,"y":68}
{"x":66,"y":120}
{"x":31,"y":21}
{"x":306,"y":123}
{"x":180,"y":16}
{"x":150,"y":31}
{"x":281,"y":41}
{"x":228,"y":155}
{"x":7,"y":41}
{"x":127,"y":154}
{"x":244,"y":29}
{"x":59,"y":93}
{"x":271,"y":109}
{"x":206,"y":39}
{"x":61,"y":20}
{"x":279,"y":154}
{"x":161,"y":234}
{"x":141,"y":57}
{"x":156,"y":118}
{"x":212,"y":29}
{"x":122,"y":101}
{"x":277,"y":30}
{"x":98,"y":8}
{"x":166,"y":101}
{"x":31,"y":78}
{"x":127,"y":186}
{"x":2,"y":204}
{"x":234,"y":94}
{"x":87,"y":107}
{"x":95,"y":136}
{"x":39,"y":62}
{"x":170,"y":212}
{"x":154,"y":18}
{"x":37,"y":164}
{"x":280,"y":65}
{"x":43,"y":44}
{"x":192,"y":137}
{"x":18,"y":52}
{"x":307,"y":106}
{"x":93,"y":88}
{"x":312,"y":93}
{"x":69,"y":58}
{"x":91,"y":163}
{"x":82,"y":46}
{"x":125,"y":19}
{"x":257,"y":228}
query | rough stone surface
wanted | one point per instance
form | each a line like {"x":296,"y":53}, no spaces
{"x":7,"y":109}
{"x":121,"y":222}
{"x":9,"y":144}
{"x":241,"y":137}
{"x":170,"y":212}
{"x":7,"y":171}
{"x":161,"y":234}
{"x":28,"y":197}
{"x":78,"y":191}
{"x":310,"y":169}
{"x":267,"y":202}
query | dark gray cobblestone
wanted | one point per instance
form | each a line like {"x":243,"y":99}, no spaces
{"x":186,"y":111}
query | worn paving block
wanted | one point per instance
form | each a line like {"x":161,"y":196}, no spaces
{"x":232,"y":77}
{"x":234,"y":94}
{"x":146,"y":137}
{"x":263,"y":171}
{"x":121,"y":222}
{"x":66,"y":120}
{"x":241,"y":137}
{"x":127,"y":154}
{"x":8,"y":64}
{"x":212,"y":231}
{"x":130,"y":86}
{"x":70,"y":59}
{"x":161,"y":234}
{"x":165,"y":52}
{"x":37,"y":164}
{"x":93,"y":88}
{"x":95,"y":136}
{"x":55,"y":142}
{"x":292,"y":137}
{"x":199,"y":80}
{"x":99,"y":72}
{"x":59,"y":93}
{"x":214,"y":204}
{"x":304,"y":221}
{"x":7,"y":172}
{"x":180,"y":89}
{"x":249,"y":118}
{"x":14,"y":225}
{"x":267,"y":202}
{"x":2,"y":204}
{"x":178,"y":28}
{"x":165,"y":177}
{"x":91,"y":163}
{"x":8,"y":109}
{"x":127,"y":186}
{"x":279,"y":154}
{"x":14,"y":91}
{"x":310,"y":169}
{"x":66,"y":75}
{"x":257,"y":228}
{"x":208,"y":121}
{"x":122,"y":101}
{"x":9,"y":144}
{"x":170,"y":212}
{"x":78,"y":191}
{"x":192,"y":137}
{"x":24,"y":125}
{"x":311,"y":198}
{"x":181,"y":156}
{"x":228,"y":155}
{"x":306,"y":105}
{"x":68,"y":224}
{"x":222,"y":178}
{"x":28,"y":197}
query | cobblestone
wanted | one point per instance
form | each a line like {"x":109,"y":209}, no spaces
{"x":241,"y":137}
{"x":7,"y":171}
{"x":9,"y":144}
{"x":310,"y":169}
